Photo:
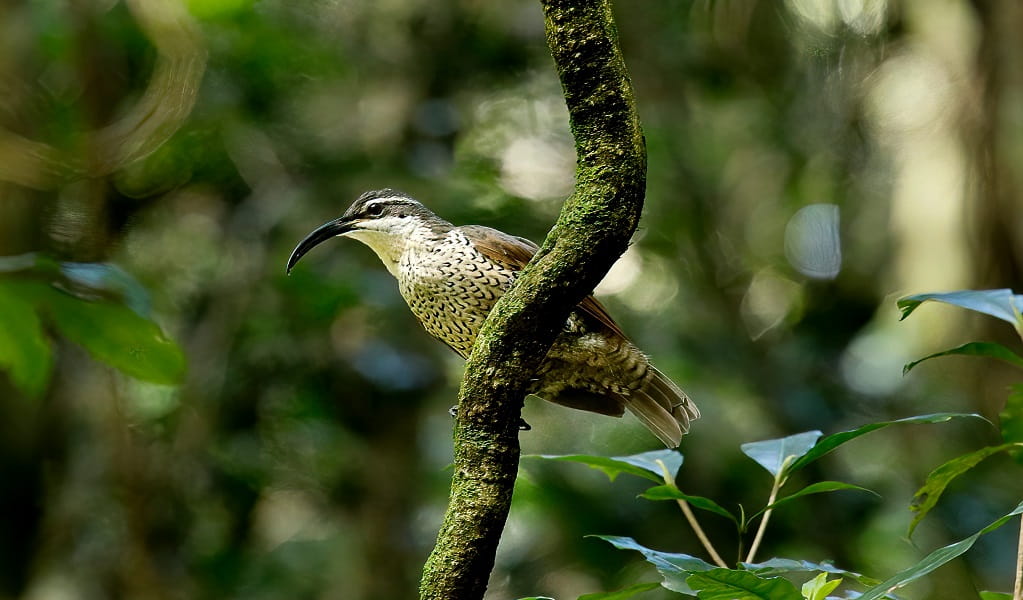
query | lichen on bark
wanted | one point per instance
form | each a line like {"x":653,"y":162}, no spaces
{"x":592,"y":231}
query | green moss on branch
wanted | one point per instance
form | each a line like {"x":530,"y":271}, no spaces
{"x":592,"y":231}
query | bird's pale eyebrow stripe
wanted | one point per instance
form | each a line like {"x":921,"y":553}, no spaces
{"x":389,"y":200}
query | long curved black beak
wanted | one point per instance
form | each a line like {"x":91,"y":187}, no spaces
{"x":324,"y":232}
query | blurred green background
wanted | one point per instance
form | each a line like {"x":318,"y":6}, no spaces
{"x":809,"y":162}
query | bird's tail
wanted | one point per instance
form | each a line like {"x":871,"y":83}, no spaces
{"x":663,"y":408}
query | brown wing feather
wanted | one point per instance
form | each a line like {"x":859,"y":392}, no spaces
{"x":514,"y":252}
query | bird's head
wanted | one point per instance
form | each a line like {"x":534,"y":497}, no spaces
{"x":385,"y":220}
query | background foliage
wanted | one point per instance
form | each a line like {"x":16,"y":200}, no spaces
{"x":809,"y":163}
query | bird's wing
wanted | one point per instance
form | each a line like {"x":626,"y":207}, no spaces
{"x":513,"y":252}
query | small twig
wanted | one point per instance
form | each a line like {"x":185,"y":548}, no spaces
{"x":691,"y":517}
{"x":779,"y":479}
{"x":1017,"y":590}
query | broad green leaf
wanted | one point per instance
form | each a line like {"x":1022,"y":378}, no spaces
{"x":726,"y":584}
{"x":1002,"y":304}
{"x":641,"y":465}
{"x":1011,"y":420}
{"x":783,"y":566}
{"x":670,"y":492}
{"x":989,"y":349}
{"x":927,"y":496}
{"x":817,"y":488}
{"x":934,"y":560}
{"x":819,"y":587}
{"x":995,"y":596}
{"x":674,"y":568}
{"x":622,"y":594}
{"x":774,"y":454}
{"x":830,"y":442}
{"x":114,"y":334}
{"x":24,"y":350}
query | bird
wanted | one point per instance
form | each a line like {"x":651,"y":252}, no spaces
{"x":451,"y":277}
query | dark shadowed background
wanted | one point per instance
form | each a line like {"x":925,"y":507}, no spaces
{"x":810,"y":161}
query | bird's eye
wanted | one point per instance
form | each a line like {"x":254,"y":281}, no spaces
{"x":375,"y":210}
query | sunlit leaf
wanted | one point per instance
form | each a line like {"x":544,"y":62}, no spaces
{"x":819,"y":587}
{"x":817,"y":488}
{"x":1002,"y":304}
{"x":995,"y":596}
{"x":927,"y":496}
{"x":782,"y":566}
{"x":107,"y":280}
{"x":670,"y":492}
{"x":116,"y":335}
{"x":989,"y":349}
{"x":24,"y":350}
{"x":726,"y":584}
{"x":622,"y":594}
{"x":934,"y":560}
{"x":642,"y":465}
{"x":830,"y":442}
{"x":674,"y":568}
{"x":774,"y":454}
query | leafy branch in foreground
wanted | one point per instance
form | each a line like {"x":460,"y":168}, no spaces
{"x":1005,"y":305}
{"x":781,"y":458}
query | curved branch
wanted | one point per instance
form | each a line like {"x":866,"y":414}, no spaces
{"x":591,"y":232}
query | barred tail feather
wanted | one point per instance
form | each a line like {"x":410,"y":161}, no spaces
{"x":663,"y":408}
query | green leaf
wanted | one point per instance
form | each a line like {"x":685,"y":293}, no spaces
{"x":1002,"y":304}
{"x":622,"y":594}
{"x":830,"y":442}
{"x":934,"y":560}
{"x":114,"y":334}
{"x":674,"y":568}
{"x":641,"y":465}
{"x":773,"y":455}
{"x":1011,"y":420}
{"x":995,"y":596}
{"x":783,"y":566}
{"x":927,"y":496}
{"x":819,"y":587}
{"x":726,"y":584}
{"x":817,"y":488}
{"x":989,"y":349}
{"x":670,"y":492}
{"x":24,"y":350}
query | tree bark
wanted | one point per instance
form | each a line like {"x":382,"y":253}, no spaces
{"x":591,"y":232}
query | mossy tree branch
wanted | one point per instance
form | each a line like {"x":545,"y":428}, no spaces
{"x":592,"y":231}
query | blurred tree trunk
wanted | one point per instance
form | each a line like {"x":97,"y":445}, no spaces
{"x":994,"y":135}
{"x":592,"y":231}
